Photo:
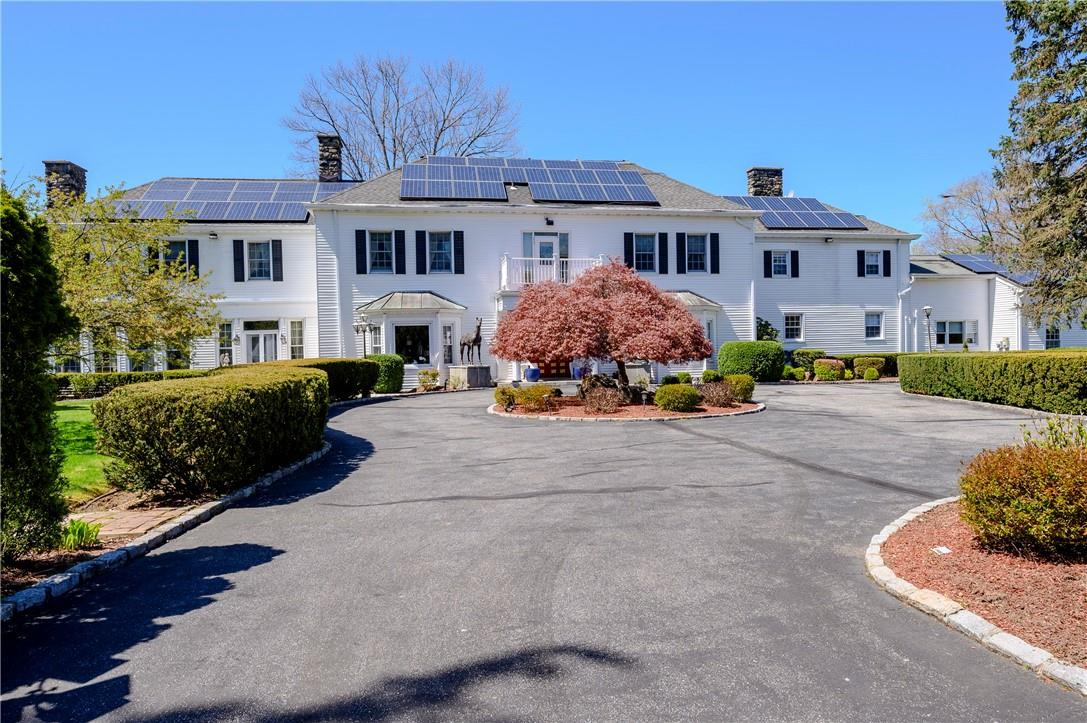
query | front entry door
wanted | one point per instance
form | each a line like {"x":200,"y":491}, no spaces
{"x":262,"y":346}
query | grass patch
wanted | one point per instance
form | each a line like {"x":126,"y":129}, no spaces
{"x":82,"y":464}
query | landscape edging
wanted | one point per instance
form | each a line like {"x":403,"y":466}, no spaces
{"x":956,"y":616}
{"x":62,"y":583}
{"x":493,"y":409}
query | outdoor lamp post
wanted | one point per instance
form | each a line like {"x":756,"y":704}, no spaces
{"x":928,"y":325}
{"x":362,"y":325}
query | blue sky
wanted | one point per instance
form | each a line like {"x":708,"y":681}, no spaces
{"x":872,"y":107}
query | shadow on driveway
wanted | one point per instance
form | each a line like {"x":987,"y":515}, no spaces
{"x":91,"y":629}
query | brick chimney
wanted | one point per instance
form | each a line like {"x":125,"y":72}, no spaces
{"x":64,"y":178}
{"x":329,"y":157}
{"x":763,"y":181}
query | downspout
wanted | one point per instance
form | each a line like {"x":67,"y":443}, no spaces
{"x":902,"y":319}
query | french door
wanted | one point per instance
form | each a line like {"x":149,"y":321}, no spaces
{"x":262,"y":346}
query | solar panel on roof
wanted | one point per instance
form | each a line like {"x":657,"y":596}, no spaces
{"x":439,"y":189}
{"x":447,"y":160}
{"x":492,"y":190}
{"x":292,"y":212}
{"x":439,"y":173}
{"x":515,"y":175}
{"x":188,"y":209}
{"x":524,"y":163}
{"x":561,"y":175}
{"x":267,"y":211}
{"x":592,"y":192}
{"x":538,"y":175}
{"x":790,"y":212}
{"x":213,"y":211}
{"x":641,"y":193}
{"x":485,"y":173}
{"x":542,"y":191}
{"x":794,"y":204}
{"x":412,"y":188}
{"x":616,"y":193}
{"x":465,"y":189}
{"x":609,"y":177}
{"x":240,"y":211}
{"x":210,"y":195}
{"x":600,"y":165}
{"x":486,"y":161}
{"x":414,"y":171}
{"x":829,"y":220}
{"x":814,"y":205}
{"x":562,"y":164}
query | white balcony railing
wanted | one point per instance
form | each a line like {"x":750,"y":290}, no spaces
{"x":519,"y":271}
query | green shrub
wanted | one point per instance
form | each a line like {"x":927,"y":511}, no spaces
{"x":428,"y":379}
{"x":677,"y":398}
{"x":711,"y":375}
{"x":805,"y":358}
{"x":97,"y":384}
{"x":718,"y":394}
{"x":390,"y":374}
{"x":1052,"y":381}
{"x":1057,"y":432}
{"x":848,"y":375}
{"x":1029,"y":498}
{"x":762,"y":360}
{"x":684,"y":377}
{"x":871,"y":374}
{"x":505,"y":397}
{"x":787,"y":373}
{"x":535,"y":398}
{"x":347,"y":378}
{"x":829,"y":370}
{"x":862,"y":364}
{"x":669,"y":379}
{"x":799,"y":374}
{"x":890,"y":361}
{"x":78,"y":534}
{"x":742,"y":386}
{"x":602,"y":400}
{"x":197,"y":437}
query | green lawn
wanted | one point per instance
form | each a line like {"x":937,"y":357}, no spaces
{"x":82,"y":465}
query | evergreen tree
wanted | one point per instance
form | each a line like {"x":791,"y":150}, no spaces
{"x":1042,"y":163}
{"x":33,"y":317}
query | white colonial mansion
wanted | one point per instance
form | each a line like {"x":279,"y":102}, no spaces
{"x":406,"y":262}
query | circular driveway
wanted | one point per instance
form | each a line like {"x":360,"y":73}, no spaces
{"x":442,"y":563}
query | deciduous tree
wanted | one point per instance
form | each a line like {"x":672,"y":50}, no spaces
{"x":609,"y":312}
{"x":973,"y":216}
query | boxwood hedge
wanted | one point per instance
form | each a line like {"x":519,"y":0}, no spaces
{"x":347,"y":378}
{"x":763,"y":360}
{"x":197,"y":437}
{"x":677,"y":398}
{"x":890,"y":361}
{"x":95,"y":384}
{"x":390,"y":375}
{"x":1052,"y":381}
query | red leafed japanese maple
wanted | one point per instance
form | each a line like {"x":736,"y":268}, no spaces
{"x":609,"y":312}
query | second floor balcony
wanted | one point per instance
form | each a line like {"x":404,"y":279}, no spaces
{"x":519,"y":271}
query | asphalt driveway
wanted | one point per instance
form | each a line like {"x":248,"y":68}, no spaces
{"x":443,"y":564}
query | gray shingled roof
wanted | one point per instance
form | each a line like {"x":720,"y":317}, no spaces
{"x":671,"y":194}
{"x":931,"y":265}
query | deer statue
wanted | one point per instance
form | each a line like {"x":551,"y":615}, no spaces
{"x":472,"y":341}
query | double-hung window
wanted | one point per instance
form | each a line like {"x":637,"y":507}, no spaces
{"x":180,"y":252}
{"x":955,"y":333}
{"x":105,"y":362}
{"x":780,"y":263}
{"x":441,"y":252}
{"x":381,"y":252}
{"x":1052,"y":337}
{"x":872,"y":263}
{"x":298,"y":347}
{"x":226,"y":345}
{"x":260,"y":260}
{"x":873,"y":325}
{"x":794,"y":327}
{"x":375,"y":340}
{"x":447,"y":343}
{"x":645,"y":252}
{"x":696,"y":252}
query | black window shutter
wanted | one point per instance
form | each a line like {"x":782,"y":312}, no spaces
{"x":628,"y":250}
{"x":399,"y":252}
{"x":239,"y":260}
{"x":767,"y":264}
{"x":458,"y":252}
{"x":681,"y":253}
{"x":860,"y":262}
{"x":277,"y":260}
{"x":193,"y":256}
{"x":715,"y":253}
{"x":886,"y":262}
{"x":360,"y":251}
{"x":794,"y":263}
{"x":662,"y":253}
{"x":420,"y":252}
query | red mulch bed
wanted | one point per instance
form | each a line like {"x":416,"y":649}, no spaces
{"x":34,"y":568}
{"x":1041,"y":601}
{"x":573,"y":407}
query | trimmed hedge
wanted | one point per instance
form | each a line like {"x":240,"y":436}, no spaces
{"x":677,"y":398}
{"x":390,"y":373}
{"x":669,"y":379}
{"x":742,"y":386}
{"x":862,"y":364}
{"x":347,"y":378}
{"x":1052,"y":381}
{"x":805,"y":358}
{"x":1031,"y":498}
{"x":762,"y":360}
{"x":890,"y":361}
{"x":829,"y":370}
{"x":96,"y":384}
{"x":871,"y":374}
{"x":711,"y":375}
{"x":207,"y":436}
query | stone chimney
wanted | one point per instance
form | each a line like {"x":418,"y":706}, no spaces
{"x":64,"y":178}
{"x":329,"y":158}
{"x":763,"y":181}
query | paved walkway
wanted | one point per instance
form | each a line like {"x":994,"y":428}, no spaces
{"x":130,"y":523}
{"x":444,"y":564}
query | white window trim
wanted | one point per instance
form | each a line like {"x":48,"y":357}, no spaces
{"x":271,"y":262}
{"x":784,"y":326}
{"x":392,"y":252}
{"x":1045,"y":336}
{"x":705,"y":254}
{"x":882,"y":326}
{"x":430,"y":256}
{"x":653,"y":247}
{"x":947,"y":343}
{"x":290,"y":338}
{"x":879,"y":264}
{"x":788,"y":263}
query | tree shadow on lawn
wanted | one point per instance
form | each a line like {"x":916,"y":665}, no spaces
{"x":84,"y":635}
{"x":436,"y":696}
{"x":347,"y":455}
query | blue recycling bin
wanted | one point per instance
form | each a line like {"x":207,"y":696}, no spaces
{"x":532,"y":374}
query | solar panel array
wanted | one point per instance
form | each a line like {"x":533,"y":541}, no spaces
{"x":781,"y":212}
{"x":984,"y":264}
{"x":456,"y":178}
{"x":227,"y":199}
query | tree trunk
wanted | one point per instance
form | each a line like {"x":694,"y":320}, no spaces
{"x":621,"y":371}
